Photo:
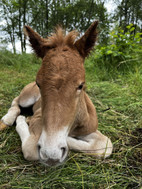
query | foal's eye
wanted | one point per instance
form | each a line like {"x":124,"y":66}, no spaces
{"x":80,"y":86}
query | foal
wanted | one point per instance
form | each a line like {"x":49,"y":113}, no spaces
{"x":63,"y":115}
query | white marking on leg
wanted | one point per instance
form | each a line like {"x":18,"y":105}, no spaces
{"x":22,"y":129}
{"x":29,"y":142}
{"x":77,"y":145}
{"x":12,"y":113}
{"x":95,"y":143}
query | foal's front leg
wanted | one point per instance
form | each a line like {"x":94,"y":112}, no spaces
{"x":29,"y":142}
{"x":28,"y":97}
{"x":95,"y":143}
{"x":11,"y":115}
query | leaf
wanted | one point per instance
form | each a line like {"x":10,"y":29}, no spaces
{"x":132,"y":29}
{"x":109,"y":52}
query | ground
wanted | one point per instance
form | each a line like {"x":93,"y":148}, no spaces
{"x":119,"y":108}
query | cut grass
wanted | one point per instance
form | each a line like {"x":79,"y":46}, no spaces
{"x":119,"y":109}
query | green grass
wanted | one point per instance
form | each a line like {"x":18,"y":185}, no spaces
{"x":119,"y":105}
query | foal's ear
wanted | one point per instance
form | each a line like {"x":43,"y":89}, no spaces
{"x":87,"y":41}
{"x":37,"y":42}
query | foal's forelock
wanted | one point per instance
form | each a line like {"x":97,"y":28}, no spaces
{"x":60,"y":38}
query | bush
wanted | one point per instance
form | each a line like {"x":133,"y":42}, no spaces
{"x":123,"y":51}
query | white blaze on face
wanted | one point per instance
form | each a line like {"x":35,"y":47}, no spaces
{"x":53,"y":146}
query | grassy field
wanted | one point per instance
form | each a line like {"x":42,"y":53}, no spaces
{"x":119,"y":107}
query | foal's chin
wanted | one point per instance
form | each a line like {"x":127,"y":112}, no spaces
{"x":51,"y":163}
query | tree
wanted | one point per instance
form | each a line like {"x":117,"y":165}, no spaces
{"x":22,"y":6}
{"x":129,"y":11}
{"x":11,"y":24}
{"x":44,"y":15}
{"x":15,"y":14}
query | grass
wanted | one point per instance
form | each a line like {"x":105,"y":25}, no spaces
{"x":119,"y":105}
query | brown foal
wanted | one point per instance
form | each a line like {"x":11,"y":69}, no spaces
{"x":63,"y":115}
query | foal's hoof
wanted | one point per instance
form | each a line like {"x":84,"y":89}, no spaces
{"x":2,"y":126}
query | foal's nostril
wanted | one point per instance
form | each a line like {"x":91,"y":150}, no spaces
{"x":63,"y":149}
{"x":39,"y":147}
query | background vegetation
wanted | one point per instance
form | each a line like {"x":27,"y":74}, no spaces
{"x":44,"y":15}
{"x":114,"y":83}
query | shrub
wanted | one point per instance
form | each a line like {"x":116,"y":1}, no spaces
{"x":123,"y":51}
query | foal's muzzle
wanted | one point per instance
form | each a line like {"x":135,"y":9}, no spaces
{"x":53,"y":156}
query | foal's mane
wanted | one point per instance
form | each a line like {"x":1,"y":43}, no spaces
{"x":59,"y":38}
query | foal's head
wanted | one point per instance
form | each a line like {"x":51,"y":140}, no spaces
{"x":61,"y":80}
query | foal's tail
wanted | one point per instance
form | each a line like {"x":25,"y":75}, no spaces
{"x":11,"y":115}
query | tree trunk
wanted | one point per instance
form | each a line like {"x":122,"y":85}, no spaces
{"x":47,"y":18}
{"x":20,"y":32}
{"x":24,"y":21}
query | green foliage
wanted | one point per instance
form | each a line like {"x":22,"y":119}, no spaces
{"x":44,"y":15}
{"x":123,"y":51}
{"x":118,"y":103}
{"x":7,"y":58}
{"x":128,"y":11}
